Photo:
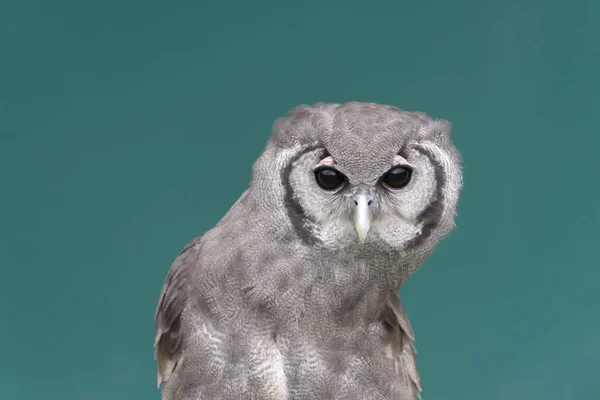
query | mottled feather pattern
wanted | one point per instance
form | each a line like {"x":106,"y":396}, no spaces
{"x":174,"y":295}
{"x":405,"y":355}
{"x":280,"y":300}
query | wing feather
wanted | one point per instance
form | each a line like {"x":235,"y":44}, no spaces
{"x":403,"y":348}
{"x":172,"y":301}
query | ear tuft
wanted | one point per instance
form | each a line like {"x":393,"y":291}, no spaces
{"x":296,"y":126}
{"x":438,"y":131}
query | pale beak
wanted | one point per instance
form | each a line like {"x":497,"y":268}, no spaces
{"x":362,"y":213}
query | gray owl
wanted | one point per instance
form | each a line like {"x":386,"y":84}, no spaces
{"x":294,"y":293}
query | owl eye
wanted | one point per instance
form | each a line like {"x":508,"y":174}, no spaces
{"x":329,"y":178}
{"x":398,"y":177}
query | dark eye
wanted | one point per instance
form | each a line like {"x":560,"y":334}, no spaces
{"x":329,"y":178}
{"x":397,"y":177}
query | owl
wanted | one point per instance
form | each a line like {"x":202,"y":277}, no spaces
{"x":293,"y":294}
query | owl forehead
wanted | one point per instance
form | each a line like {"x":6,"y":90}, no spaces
{"x":362,"y":138}
{"x":362,"y":165}
{"x":362,"y":157}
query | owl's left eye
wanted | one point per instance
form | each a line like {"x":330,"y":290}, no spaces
{"x":329,"y":178}
{"x":398,"y":177}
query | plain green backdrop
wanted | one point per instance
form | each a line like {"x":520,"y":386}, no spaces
{"x":130,"y":127}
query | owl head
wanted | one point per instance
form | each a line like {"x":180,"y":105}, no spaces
{"x":360,"y":176}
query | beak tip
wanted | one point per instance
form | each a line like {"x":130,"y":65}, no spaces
{"x":362,"y":238}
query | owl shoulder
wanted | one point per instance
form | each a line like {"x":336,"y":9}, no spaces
{"x":172,"y":302}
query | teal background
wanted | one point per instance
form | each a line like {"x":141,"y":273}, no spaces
{"x":128,"y":128}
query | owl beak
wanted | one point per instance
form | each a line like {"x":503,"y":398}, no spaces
{"x":362,"y":213}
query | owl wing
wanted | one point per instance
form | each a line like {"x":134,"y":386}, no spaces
{"x":173,"y":299}
{"x":403,"y":348}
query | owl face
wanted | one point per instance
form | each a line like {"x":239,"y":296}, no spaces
{"x":363,"y":174}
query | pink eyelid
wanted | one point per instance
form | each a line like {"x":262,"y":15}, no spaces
{"x":400,"y":160}
{"x":326,"y":161}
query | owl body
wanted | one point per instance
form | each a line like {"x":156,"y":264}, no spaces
{"x":293,"y":294}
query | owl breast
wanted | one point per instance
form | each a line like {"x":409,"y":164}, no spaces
{"x":298,"y":360}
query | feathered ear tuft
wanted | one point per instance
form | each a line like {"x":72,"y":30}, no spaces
{"x":438,"y":131}
{"x":292,"y":127}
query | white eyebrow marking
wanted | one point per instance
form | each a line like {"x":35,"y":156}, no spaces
{"x":326,"y":161}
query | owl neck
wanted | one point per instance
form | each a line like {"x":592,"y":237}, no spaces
{"x":345,"y":285}
{"x":292,"y":274}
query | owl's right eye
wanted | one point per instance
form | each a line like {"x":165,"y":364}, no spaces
{"x":329,"y":178}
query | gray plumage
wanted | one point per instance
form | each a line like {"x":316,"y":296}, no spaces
{"x":281,"y":300}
